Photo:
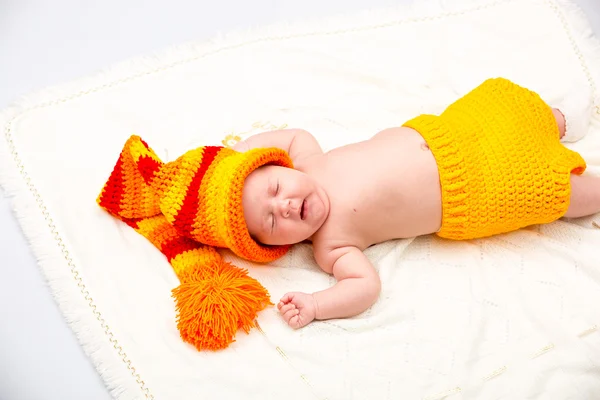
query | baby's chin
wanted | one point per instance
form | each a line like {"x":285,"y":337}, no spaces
{"x":309,"y":237}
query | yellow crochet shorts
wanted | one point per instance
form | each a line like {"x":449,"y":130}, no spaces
{"x":502,"y":166}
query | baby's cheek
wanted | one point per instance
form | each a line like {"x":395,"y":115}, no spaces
{"x":297,"y":231}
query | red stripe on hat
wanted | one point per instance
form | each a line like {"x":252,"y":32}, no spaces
{"x":148,"y":167}
{"x":184,"y":219}
{"x":178,"y":245}
{"x":132,"y":222}
{"x":113,"y":189}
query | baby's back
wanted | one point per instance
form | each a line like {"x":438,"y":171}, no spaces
{"x":384,"y":188}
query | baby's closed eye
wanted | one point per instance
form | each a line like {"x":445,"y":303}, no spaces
{"x":274,"y":189}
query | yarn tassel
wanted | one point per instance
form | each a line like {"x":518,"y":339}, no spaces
{"x":214,"y":301}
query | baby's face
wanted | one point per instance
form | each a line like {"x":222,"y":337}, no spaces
{"x":283,"y":205}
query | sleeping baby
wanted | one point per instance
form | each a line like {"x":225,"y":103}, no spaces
{"x":491,"y":163}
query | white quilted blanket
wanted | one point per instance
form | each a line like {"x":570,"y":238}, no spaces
{"x":511,"y":317}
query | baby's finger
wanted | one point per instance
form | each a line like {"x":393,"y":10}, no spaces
{"x":291,"y":313}
{"x":287,"y":298}
{"x":294,"y":322}
{"x":280,"y":304}
{"x":286,"y":308}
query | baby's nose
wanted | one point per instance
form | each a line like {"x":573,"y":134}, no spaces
{"x":285,"y":207}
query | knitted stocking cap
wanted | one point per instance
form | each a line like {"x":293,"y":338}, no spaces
{"x":186,"y":208}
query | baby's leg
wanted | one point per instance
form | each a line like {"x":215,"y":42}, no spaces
{"x":585,"y":196}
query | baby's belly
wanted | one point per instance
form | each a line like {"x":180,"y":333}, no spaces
{"x":410,"y":201}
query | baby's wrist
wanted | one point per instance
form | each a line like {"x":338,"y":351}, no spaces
{"x":316,"y":306}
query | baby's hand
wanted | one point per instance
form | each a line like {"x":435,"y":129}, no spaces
{"x":298,"y":309}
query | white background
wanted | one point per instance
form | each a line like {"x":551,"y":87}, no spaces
{"x":44,"y":43}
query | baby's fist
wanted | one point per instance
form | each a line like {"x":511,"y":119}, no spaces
{"x":298,"y":309}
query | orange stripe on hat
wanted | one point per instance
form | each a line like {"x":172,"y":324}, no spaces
{"x":174,"y":181}
{"x":204,"y":227}
{"x":125,"y":194}
{"x":184,"y":221}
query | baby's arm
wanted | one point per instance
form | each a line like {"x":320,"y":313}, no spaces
{"x":357,"y":288}
{"x":298,"y":143}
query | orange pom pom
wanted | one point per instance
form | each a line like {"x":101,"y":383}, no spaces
{"x":214,"y":301}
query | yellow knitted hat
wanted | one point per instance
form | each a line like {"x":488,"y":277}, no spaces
{"x":186,"y":208}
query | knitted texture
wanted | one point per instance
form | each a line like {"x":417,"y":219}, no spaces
{"x":501,"y":164}
{"x":186,"y":208}
{"x":200,"y":193}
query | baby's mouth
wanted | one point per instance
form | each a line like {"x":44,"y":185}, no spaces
{"x":303,"y":210}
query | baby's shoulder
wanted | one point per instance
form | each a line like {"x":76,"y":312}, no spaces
{"x":311,"y":164}
{"x":328,"y":250}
